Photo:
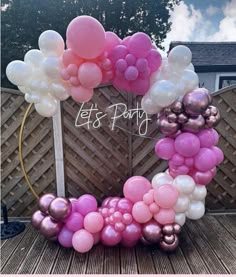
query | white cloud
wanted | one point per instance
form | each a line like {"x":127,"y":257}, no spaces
{"x":212,"y":10}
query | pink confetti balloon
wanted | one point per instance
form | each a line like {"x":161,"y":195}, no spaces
{"x":166,"y":196}
{"x":86,"y":204}
{"x":165,"y":216}
{"x":135,"y":187}
{"x":86,"y":37}
{"x":74,"y":222}
{"x":65,"y":237}
{"x":165,"y":148}
{"x":93,"y":222}
{"x":82,"y":241}
{"x":141,"y":212}
{"x":187,"y":144}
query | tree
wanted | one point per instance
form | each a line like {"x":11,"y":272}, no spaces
{"x":24,"y":20}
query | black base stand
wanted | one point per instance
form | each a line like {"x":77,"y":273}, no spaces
{"x":10,"y":229}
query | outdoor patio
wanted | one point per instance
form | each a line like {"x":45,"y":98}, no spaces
{"x":207,"y":246}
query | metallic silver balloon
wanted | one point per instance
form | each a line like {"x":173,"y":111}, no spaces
{"x":45,"y":201}
{"x":207,"y":112}
{"x":177,"y":107}
{"x":37,"y":218}
{"x":167,"y":128}
{"x":196,"y":101}
{"x":214,"y":110}
{"x":182,"y":118}
{"x":152,"y":231}
{"x":169,"y":239}
{"x":213,"y":120}
{"x":49,"y":227}
{"x":169,"y":247}
{"x":60,"y":208}
{"x":172,"y":117}
{"x":194,"y":124}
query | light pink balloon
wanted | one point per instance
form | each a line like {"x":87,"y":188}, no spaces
{"x":154,"y":208}
{"x":72,"y":69}
{"x":112,"y":41}
{"x":81,"y":94}
{"x":93,"y":222}
{"x":69,"y":57}
{"x":135,"y":188}
{"x":65,"y":237}
{"x":148,"y":197}
{"x":166,"y":196}
{"x":165,"y":216}
{"x":90,"y":75}
{"x":74,"y":222}
{"x":86,"y":204}
{"x":64,"y":74}
{"x":141,"y":212}
{"x":165,"y":148}
{"x":74,"y":81}
{"x":86,"y":36}
{"x":205,"y":159}
{"x":82,"y":241}
{"x":140,"y":44}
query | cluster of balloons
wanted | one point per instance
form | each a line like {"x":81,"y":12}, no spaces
{"x":192,"y":114}
{"x":192,"y":154}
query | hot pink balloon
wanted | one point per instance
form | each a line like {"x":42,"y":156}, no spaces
{"x":205,"y":159}
{"x":166,"y":196}
{"x":131,"y":73}
{"x":96,"y":237}
{"x":140,"y":44}
{"x":141,"y":212}
{"x":207,"y":138}
{"x":130,"y":59}
{"x":124,"y":205}
{"x":135,"y":188}
{"x":165,"y":216}
{"x":125,"y":41}
{"x":112,"y":41}
{"x":93,"y":222}
{"x":74,"y":222}
{"x":132,"y":232}
{"x":90,"y":75}
{"x":218,"y":154}
{"x":177,"y":159}
{"x":165,"y":148}
{"x":121,"y":65}
{"x":202,"y":178}
{"x":109,"y":236}
{"x":86,"y":36}
{"x":82,"y":241}
{"x":119,"y":52}
{"x":187,"y":144}
{"x":141,"y":64}
{"x":154,"y":60}
{"x":86,"y":204}
{"x":65,"y":237}
{"x":140,"y":86}
{"x":81,"y":94}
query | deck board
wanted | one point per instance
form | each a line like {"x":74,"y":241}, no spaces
{"x":206,"y":246}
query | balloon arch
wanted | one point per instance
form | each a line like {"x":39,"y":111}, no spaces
{"x":152,"y":212}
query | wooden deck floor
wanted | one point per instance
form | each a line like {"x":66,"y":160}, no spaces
{"x":207,"y":246}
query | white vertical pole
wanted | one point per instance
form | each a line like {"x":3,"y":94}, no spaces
{"x":58,"y":152}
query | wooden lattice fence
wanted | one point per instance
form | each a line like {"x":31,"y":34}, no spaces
{"x":99,"y":160}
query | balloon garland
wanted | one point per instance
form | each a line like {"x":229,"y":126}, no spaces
{"x":150,"y":212}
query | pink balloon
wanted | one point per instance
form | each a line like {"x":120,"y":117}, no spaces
{"x":187,"y":144}
{"x":129,"y":243}
{"x":135,"y":187}
{"x":165,"y":148}
{"x":154,"y":208}
{"x":119,"y":52}
{"x":142,"y":64}
{"x":131,"y":73}
{"x":81,"y":94}
{"x":109,"y":236}
{"x":119,"y":226}
{"x":121,"y":83}
{"x":65,"y":237}
{"x":216,"y":136}
{"x":166,"y":196}
{"x":165,"y":216}
{"x":90,"y":75}
{"x":205,"y":159}
{"x":177,"y":159}
{"x":127,"y":218}
{"x":86,"y":37}
{"x":189,"y":162}
{"x":130,"y":59}
{"x":140,"y":45}
{"x":86,"y":204}
{"x":64,"y":74}
{"x":72,"y":69}
{"x":140,"y":86}
{"x":93,"y":222}
{"x":96,"y":237}
{"x":202,"y":178}
{"x":74,"y":81}
{"x":121,"y":65}
{"x":218,"y":154}
{"x":74,"y":222}
{"x":82,"y":241}
{"x":154,"y":60}
{"x":141,"y":212}
{"x":106,"y":201}
{"x":207,"y":138}
{"x":132,"y":232}
{"x":148,"y":198}
{"x":124,"y":205}
{"x":69,"y":57}
{"x":113,"y":202}
{"x":112,"y":41}
{"x":125,"y":41}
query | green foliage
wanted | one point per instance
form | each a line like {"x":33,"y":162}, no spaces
{"x":24,"y":20}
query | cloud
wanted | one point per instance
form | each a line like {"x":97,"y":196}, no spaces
{"x":212,"y":10}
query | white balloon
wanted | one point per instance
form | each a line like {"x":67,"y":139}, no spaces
{"x":196,"y":210}
{"x":51,"y":43}
{"x":199,"y":192}
{"x":190,"y":67}
{"x":184,"y":183}
{"x":59,"y":91}
{"x":148,"y":106}
{"x":47,"y":106}
{"x":34,"y":57}
{"x":23,"y":89}
{"x":32,"y":98}
{"x":18,"y":73}
{"x":34,"y":84}
{"x":190,"y":80}
{"x":180,"y":219}
{"x":44,"y":87}
{"x":163,"y":93}
{"x":51,"y":67}
{"x":182,"y":204}
{"x":180,"y":57}
{"x":161,"y":179}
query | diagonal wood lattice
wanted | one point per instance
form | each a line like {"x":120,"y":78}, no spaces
{"x":99,"y":160}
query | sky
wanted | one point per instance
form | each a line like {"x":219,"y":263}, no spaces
{"x":203,"y":20}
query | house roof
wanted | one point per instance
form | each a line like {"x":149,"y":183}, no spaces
{"x":211,"y":56}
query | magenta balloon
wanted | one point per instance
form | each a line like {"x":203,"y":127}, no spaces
{"x":124,"y":205}
{"x":165,"y":148}
{"x":113,"y":202}
{"x":187,"y":144}
{"x":135,"y":187}
{"x":131,"y":73}
{"x":49,"y":227}
{"x":86,"y":37}
{"x":65,"y":237}
{"x":45,"y":201}
{"x":37,"y":218}
{"x":205,"y":159}
{"x":125,"y":41}
{"x":60,"y":208}
{"x":218,"y":154}
{"x":121,"y":65}
{"x":132,"y":232}
{"x":109,"y":236}
{"x":207,"y":137}
{"x":141,"y":64}
{"x":140,"y":44}
{"x":154,"y":60}
{"x":106,"y":201}
{"x":189,"y":162}
{"x":177,"y":159}
{"x":130,"y":59}
{"x":86,"y":204}
{"x":140,"y":86}
{"x":75,"y":222}
{"x":96,"y":237}
{"x":152,"y":231}
{"x":119,"y":52}
{"x":112,"y":41}
{"x":202,"y":178}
